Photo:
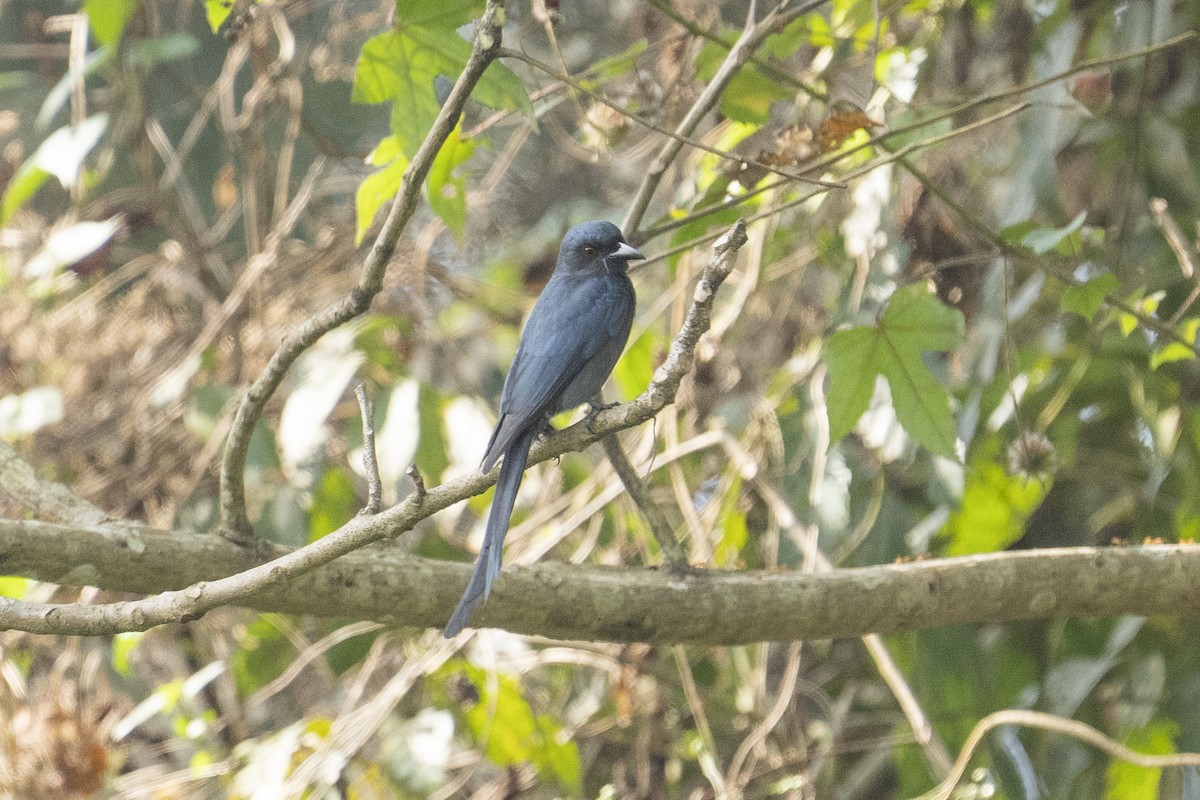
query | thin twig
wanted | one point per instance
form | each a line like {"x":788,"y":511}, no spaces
{"x":750,"y":39}
{"x":767,"y":69}
{"x":961,"y":108}
{"x":903,"y":152}
{"x":932,"y":746}
{"x":414,"y":475}
{"x":1055,"y":724}
{"x":708,"y":757}
{"x":1182,"y":250}
{"x":370,"y":462}
{"x":673,"y":553}
{"x":640,"y":120}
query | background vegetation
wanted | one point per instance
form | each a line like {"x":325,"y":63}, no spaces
{"x":984,"y":339}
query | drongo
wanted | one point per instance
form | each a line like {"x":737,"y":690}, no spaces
{"x":570,"y":344}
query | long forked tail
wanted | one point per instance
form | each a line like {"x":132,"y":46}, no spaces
{"x":487,"y":567}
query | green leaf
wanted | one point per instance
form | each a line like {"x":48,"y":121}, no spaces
{"x":1177,"y":351}
{"x":1043,"y":240}
{"x":1127,"y":781}
{"x":447,"y":187}
{"x":23,"y":186}
{"x":334,"y":503}
{"x":1086,"y":299}
{"x":263,"y":653}
{"x":14,"y":586}
{"x":850,"y":357}
{"x":749,"y":94}
{"x":431,"y":456}
{"x":734,"y":533}
{"x":513,"y":735}
{"x":395,"y":67}
{"x":613,"y":66}
{"x":401,"y":65}
{"x":922,"y":405}
{"x":217,"y":12}
{"x":559,"y":755}
{"x":636,"y":367}
{"x":1147,"y":305}
{"x":375,"y":190}
{"x":913,"y":322}
{"x":919,"y":321}
{"x":107,"y":18}
{"x":995,"y":505}
{"x":123,"y":647}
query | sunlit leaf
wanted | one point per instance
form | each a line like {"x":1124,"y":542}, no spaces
{"x":376,"y":190}
{"x":107,"y":18}
{"x":513,"y":734}
{"x":447,"y":186}
{"x":320,"y":378}
{"x":636,"y":367}
{"x":1125,"y":781}
{"x":749,"y":94}
{"x":123,"y":647}
{"x":63,"y":152}
{"x":14,"y":586}
{"x":69,"y":245}
{"x":60,"y":155}
{"x":995,"y":505}
{"x":30,"y":411}
{"x":217,"y":11}
{"x":1177,"y":351}
{"x":734,"y":534}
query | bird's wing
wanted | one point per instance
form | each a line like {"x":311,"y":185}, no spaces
{"x":566,"y":329}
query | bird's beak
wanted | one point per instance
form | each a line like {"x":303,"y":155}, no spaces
{"x":628,"y":251}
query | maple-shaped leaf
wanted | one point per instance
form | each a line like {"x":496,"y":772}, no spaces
{"x":913,"y":322}
{"x":401,"y":66}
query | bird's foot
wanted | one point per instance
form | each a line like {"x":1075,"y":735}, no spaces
{"x":594,"y":408}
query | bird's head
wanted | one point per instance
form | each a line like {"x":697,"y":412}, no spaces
{"x":595,"y":247}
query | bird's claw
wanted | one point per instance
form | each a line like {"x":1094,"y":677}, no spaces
{"x":595,"y":408}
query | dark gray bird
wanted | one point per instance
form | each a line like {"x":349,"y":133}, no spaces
{"x":571,"y":342}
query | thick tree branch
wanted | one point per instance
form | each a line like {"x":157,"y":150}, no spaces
{"x":568,"y":601}
{"x":234,"y":521}
{"x":254,"y":578}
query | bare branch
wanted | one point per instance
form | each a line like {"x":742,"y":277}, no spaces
{"x":640,"y":120}
{"x":570,"y":601}
{"x":43,"y":498}
{"x":370,"y":462}
{"x":673,"y":553}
